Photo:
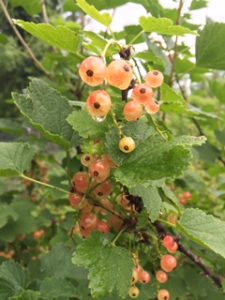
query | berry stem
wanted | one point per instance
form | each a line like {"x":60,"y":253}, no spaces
{"x":45,"y":184}
{"x":113,"y":243}
{"x":109,"y":43}
{"x":136,"y":37}
{"x":152,"y":121}
{"x":117,"y":125}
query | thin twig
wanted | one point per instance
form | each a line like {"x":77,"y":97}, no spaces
{"x":23,"y":42}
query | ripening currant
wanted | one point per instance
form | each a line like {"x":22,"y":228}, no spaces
{"x":161,"y":276}
{"x":170,"y":244}
{"x":134,"y":292}
{"x":144,"y":277}
{"x":134,"y":277}
{"x":132,"y":111}
{"x":104,"y":189}
{"x":152,"y":107}
{"x":99,"y":104}
{"x":103,"y":227}
{"x":86,"y":159}
{"x":142,"y":93}
{"x":89,"y":221}
{"x":37,"y":235}
{"x":81,"y":181}
{"x":119,"y":74}
{"x":75,"y":199}
{"x":127,"y":144}
{"x":163,"y":295}
{"x":154,"y":79}
{"x":168,"y":263}
{"x":99,"y":170}
{"x":93,"y":71}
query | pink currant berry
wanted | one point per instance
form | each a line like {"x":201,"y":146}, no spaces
{"x":168,"y":263}
{"x":103,"y":227}
{"x":154,"y":79}
{"x":119,"y":74}
{"x":163,"y":295}
{"x":93,"y":71}
{"x":168,"y":241}
{"x":99,"y":170}
{"x":134,"y":276}
{"x":187,"y":195}
{"x":144,"y":277}
{"x":132,"y":111}
{"x":142,"y":93}
{"x":88,"y":221}
{"x":104,"y":189}
{"x":81,"y":181}
{"x":152,"y":107}
{"x":99,"y":104}
{"x":161,"y":276}
{"x":75,"y":199}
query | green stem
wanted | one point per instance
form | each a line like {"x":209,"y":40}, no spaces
{"x":109,"y":43}
{"x":45,"y":184}
{"x":113,"y":243}
{"x":136,"y":37}
{"x":160,"y":132}
{"x":117,"y":125}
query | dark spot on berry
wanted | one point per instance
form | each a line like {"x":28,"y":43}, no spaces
{"x":97,"y":105}
{"x":156,"y":73}
{"x":87,"y":158}
{"x":90,"y":73}
{"x":126,"y":148}
{"x":100,"y":194}
{"x":142,"y":90}
{"x":95,"y":173}
{"x":126,"y":68}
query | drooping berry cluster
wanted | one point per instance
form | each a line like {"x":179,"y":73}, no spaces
{"x":185,"y":198}
{"x":141,"y":276}
{"x":119,"y":74}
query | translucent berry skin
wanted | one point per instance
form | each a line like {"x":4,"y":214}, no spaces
{"x":86,"y":159}
{"x":154,"y":79}
{"x":168,"y":263}
{"x":144,"y":277}
{"x":187,"y":195}
{"x":161,"y":276}
{"x":99,"y":103}
{"x":163,"y":295}
{"x":99,"y":170}
{"x":81,"y":181}
{"x":93,"y":71}
{"x":119,"y":74}
{"x":88,"y":221}
{"x":132,"y":111}
{"x":134,"y":292}
{"x":142,"y":93}
{"x":103,"y":227}
{"x":104,"y":189}
{"x":152,"y":107}
{"x":168,"y":241}
{"x":75,"y":200}
{"x":127,"y":144}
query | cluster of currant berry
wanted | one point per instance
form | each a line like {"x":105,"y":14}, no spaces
{"x":185,"y":197}
{"x":119,"y":73}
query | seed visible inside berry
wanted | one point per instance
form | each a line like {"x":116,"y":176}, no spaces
{"x":127,"y":144}
{"x":134,"y":292}
{"x":163,"y":295}
{"x":90,"y":73}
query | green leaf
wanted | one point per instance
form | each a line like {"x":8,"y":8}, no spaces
{"x":53,"y":288}
{"x":204,"y":229}
{"x":60,"y":36}
{"x":171,"y":101}
{"x":156,"y":159}
{"x":90,"y":10}
{"x":15,"y":158}
{"x":14,"y":276}
{"x":218,"y":90}
{"x":197,"y":4}
{"x":110,"y":268}
{"x":82,"y":122}
{"x":58,"y":263}
{"x":210,"y":47}
{"x":6,"y":213}
{"x":11,"y":126}
{"x":151,"y":198}
{"x":32,"y":7}
{"x":47,"y":110}
{"x":163,"y":26}
{"x":27,"y":295}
